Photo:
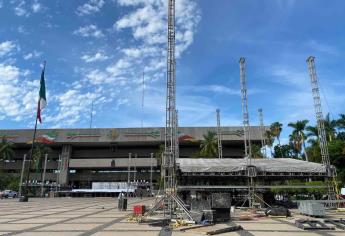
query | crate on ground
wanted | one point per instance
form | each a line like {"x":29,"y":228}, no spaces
{"x":139,"y":209}
{"x":311,"y":208}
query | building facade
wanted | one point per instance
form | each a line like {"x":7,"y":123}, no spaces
{"x":80,"y":157}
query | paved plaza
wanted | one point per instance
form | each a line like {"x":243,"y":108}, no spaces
{"x":100,"y":217}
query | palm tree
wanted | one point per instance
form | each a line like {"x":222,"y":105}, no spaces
{"x":341,"y":121}
{"x":298,"y":136}
{"x":209,"y":145}
{"x":330,"y":127}
{"x":269,"y":140}
{"x":312,"y":132}
{"x":6,"y":149}
{"x":276,"y":129}
{"x":256,"y":151}
{"x":296,"y":143}
{"x":40,"y":149}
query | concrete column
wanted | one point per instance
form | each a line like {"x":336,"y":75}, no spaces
{"x":21,"y":176}
{"x":64,"y":165}
{"x":44,"y":174}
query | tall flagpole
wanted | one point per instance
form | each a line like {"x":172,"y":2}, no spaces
{"x":25,"y":198}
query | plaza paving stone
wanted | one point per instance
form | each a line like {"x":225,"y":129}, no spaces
{"x":100,"y":217}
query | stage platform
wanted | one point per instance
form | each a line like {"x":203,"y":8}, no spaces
{"x":237,"y":167}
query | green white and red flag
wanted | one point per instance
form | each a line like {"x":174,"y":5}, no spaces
{"x":42,"y":100}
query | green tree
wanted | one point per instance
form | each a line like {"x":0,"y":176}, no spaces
{"x":256,"y":151}
{"x":209,"y":145}
{"x":159,"y":157}
{"x":330,"y":127}
{"x":6,"y":149}
{"x":285,"y":150}
{"x":159,"y":154}
{"x":312,"y":132}
{"x":269,"y":140}
{"x":336,"y":150}
{"x":341,"y":121}
{"x":40,"y":149}
{"x":276,"y":129}
{"x":298,"y":136}
{"x":313,"y":151}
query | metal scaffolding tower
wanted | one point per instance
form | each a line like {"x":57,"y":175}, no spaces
{"x":170,"y":124}
{"x":170,"y":198}
{"x":219,"y":136}
{"x":321,"y":126}
{"x":246,"y":127}
{"x":262,"y":132}
{"x":177,"y":145}
{"x":251,"y":170}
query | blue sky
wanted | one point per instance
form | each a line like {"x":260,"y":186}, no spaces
{"x":97,"y":50}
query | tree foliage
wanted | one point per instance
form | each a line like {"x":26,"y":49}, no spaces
{"x":209,"y":146}
{"x":40,"y":149}
{"x":256,"y":151}
{"x":285,"y":150}
{"x":6,"y":149}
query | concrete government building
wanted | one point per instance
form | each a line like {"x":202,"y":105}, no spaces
{"x":80,"y":157}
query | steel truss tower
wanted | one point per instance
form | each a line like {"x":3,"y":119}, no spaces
{"x":170,"y":124}
{"x":219,"y":136}
{"x":246,"y":127}
{"x":262,"y":132}
{"x":170,"y":198}
{"x":251,"y":170}
{"x":321,"y":126}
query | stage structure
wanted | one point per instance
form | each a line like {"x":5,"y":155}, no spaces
{"x":219,"y":136}
{"x":321,"y":128}
{"x":251,"y":170}
{"x":170,"y":199}
{"x":262,"y":132}
{"x":228,"y":174}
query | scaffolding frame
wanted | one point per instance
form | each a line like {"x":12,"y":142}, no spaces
{"x":170,"y":200}
{"x":250,"y":169}
{"x":219,"y":136}
{"x":262,"y":132}
{"x":321,"y":128}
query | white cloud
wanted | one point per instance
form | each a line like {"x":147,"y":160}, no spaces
{"x":143,"y":50}
{"x":1,"y":3}
{"x":99,"y":56}
{"x":288,"y":76}
{"x":72,"y":107}
{"x":148,"y":22}
{"x":22,"y":30}
{"x":23,"y":8}
{"x":97,"y":77}
{"x":31,"y":55}
{"x":6,"y":48}
{"x":119,"y":67}
{"x":18,"y":96}
{"x":92,"y":6}
{"x":296,"y":103}
{"x":323,"y":48}
{"x":20,"y":9}
{"x":89,"y":31}
{"x":214,"y":88}
{"x":36,"y":7}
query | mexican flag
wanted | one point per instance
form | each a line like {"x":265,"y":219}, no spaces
{"x":42,"y":101}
